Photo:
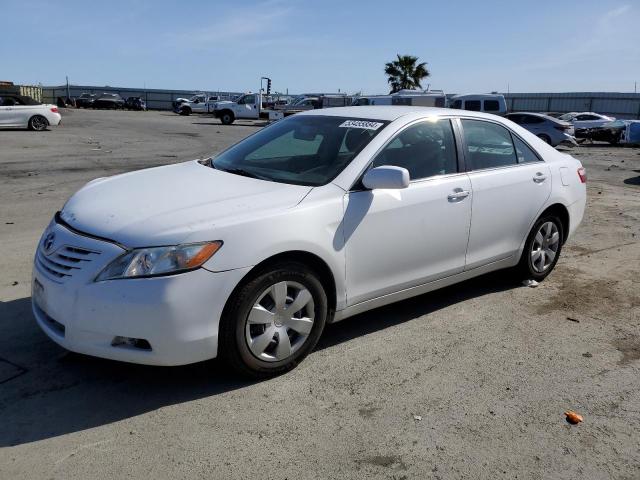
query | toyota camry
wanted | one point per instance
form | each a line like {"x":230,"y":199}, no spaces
{"x":311,"y":220}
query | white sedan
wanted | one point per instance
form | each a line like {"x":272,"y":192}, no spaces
{"x":316,"y":218}
{"x":584,"y":120}
{"x":24,"y":112}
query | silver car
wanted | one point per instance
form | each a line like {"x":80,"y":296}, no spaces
{"x":552,"y":130}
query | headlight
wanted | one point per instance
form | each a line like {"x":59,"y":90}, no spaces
{"x":151,"y":262}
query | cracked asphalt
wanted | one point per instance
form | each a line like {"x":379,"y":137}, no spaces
{"x":467,"y":382}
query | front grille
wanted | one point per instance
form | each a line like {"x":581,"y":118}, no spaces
{"x":64,"y":262}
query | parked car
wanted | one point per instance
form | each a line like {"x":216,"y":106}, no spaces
{"x":200,"y":103}
{"x":313,"y":219}
{"x":612,"y":132}
{"x":485,"y":102}
{"x":18,"y":111}
{"x":108,"y":101}
{"x":135,"y":103}
{"x":85,"y":100}
{"x":585,"y":120}
{"x":551,"y":130}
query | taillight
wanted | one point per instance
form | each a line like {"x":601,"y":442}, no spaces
{"x":563,"y":127}
{"x":54,"y":109}
{"x":582,"y":173}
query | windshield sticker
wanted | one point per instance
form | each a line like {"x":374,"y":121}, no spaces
{"x":361,"y":124}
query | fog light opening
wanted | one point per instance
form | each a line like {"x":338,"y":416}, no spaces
{"x":128,"y":342}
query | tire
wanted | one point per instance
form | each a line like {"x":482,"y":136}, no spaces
{"x":253,"y":347}
{"x":545,"y":138}
{"x":38,"y":123}
{"x":533,"y":262}
{"x":185,"y":111}
{"x":227,"y":117}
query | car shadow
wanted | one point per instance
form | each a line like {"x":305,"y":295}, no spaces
{"x":633,"y":180}
{"x":234,"y":124}
{"x":46,"y":392}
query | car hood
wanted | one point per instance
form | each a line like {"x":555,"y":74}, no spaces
{"x":181,"y":203}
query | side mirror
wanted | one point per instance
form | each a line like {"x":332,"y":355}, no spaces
{"x":386,"y":177}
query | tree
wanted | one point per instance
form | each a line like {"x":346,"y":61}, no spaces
{"x":404,"y":73}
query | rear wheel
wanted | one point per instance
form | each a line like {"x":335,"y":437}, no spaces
{"x":273,"y":321}
{"x":542,"y":248}
{"x":545,"y":138}
{"x":38,"y":123}
{"x":227,"y":117}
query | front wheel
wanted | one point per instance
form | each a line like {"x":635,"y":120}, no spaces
{"x":542,"y":248}
{"x":273,"y":321}
{"x":227,"y":118}
{"x":38,"y":123}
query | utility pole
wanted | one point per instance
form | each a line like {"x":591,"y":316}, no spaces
{"x":68,"y":95}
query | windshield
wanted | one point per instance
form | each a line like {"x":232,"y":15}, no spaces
{"x":301,"y":150}
{"x":567,"y":117}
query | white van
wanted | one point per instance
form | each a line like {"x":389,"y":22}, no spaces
{"x":488,"y":103}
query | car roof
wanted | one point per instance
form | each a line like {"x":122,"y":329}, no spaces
{"x":391,"y":112}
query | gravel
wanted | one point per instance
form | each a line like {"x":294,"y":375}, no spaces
{"x":467,"y":382}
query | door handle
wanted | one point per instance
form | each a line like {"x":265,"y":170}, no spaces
{"x":540,"y":177}
{"x":458,"y":194}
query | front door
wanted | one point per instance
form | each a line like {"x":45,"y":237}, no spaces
{"x":247,"y":107}
{"x":397,"y":239}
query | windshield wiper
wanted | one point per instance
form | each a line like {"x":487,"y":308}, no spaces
{"x":239,"y":171}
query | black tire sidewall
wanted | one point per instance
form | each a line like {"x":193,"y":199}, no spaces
{"x":224,"y":116}
{"x":525,"y":266}
{"x":545,"y":138}
{"x":233,"y":346}
{"x":32,"y":127}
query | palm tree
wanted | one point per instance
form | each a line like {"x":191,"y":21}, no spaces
{"x":404,"y":73}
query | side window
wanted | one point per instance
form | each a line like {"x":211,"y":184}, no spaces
{"x":523,"y":152}
{"x":473,"y":105}
{"x":491,"y":106}
{"x":425,"y":149}
{"x":457,"y":104}
{"x":488,"y":145}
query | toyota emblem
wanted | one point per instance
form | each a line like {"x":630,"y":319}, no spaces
{"x":48,"y":241}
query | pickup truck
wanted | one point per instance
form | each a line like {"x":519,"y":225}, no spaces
{"x":200,"y":103}
{"x":248,"y":106}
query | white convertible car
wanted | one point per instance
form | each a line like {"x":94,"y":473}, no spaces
{"x":311,"y":220}
{"x":24,"y":112}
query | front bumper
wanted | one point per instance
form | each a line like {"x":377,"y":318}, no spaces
{"x":177,"y":315}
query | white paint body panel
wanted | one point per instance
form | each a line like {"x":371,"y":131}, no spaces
{"x":380,"y":246}
{"x":17,"y":116}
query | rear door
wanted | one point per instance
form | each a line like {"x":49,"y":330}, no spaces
{"x":510,"y":185}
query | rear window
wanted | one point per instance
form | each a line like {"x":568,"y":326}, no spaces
{"x":491,"y":106}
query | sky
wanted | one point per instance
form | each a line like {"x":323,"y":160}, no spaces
{"x":303,"y":46}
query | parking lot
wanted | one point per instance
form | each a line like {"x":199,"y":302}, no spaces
{"x":471,"y":381}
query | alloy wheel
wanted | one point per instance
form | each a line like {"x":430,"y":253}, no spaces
{"x":280,"y":321}
{"x":545,"y":247}
{"x":39,"y":123}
